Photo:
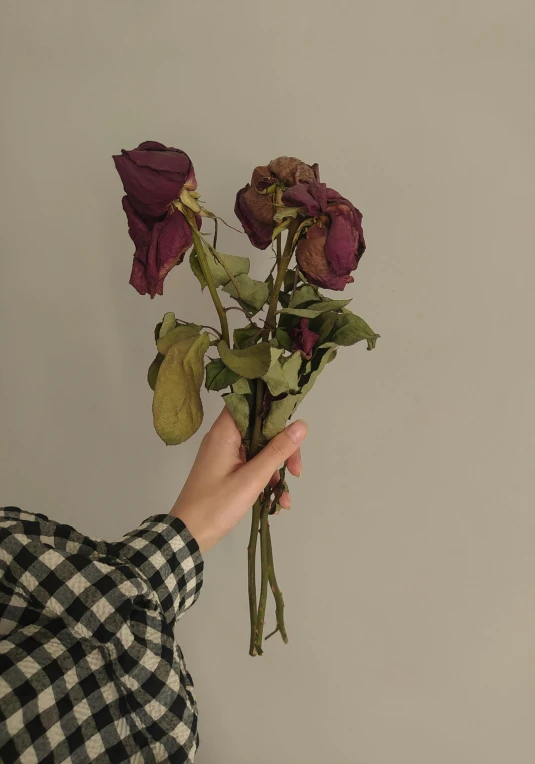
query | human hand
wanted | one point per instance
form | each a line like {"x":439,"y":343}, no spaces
{"x":222,"y":486}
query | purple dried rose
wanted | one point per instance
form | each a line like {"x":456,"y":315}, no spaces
{"x":304,"y":339}
{"x":334,"y":243}
{"x":255,"y":203}
{"x":153,"y":176}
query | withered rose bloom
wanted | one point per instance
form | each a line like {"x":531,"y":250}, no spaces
{"x":255,"y":203}
{"x":304,"y":339}
{"x":334,"y":243}
{"x":153,"y":176}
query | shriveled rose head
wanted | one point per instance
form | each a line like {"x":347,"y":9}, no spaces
{"x":303,"y":338}
{"x":153,"y":176}
{"x":255,"y":203}
{"x":334,"y":243}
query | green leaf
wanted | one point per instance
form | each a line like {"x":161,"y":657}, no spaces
{"x":275,"y":380}
{"x":290,"y":368}
{"x":178,"y":334}
{"x":219,"y":266}
{"x":242,"y":386}
{"x":289,"y":278}
{"x":284,"y":339}
{"x":278,"y":415}
{"x":251,"y":362}
{"x":154,"y":368}
{"x":246,"y":335}
{"x":168,"y":323}
{"x":253,"y":294}
{"x":350,"y":329}
{"x":238,"y":405}
{"x":219,"y":376}
{"x":315,"y":309}
{"x":303,"y":295}
{"x":157,"y":331}
{"x":323,"y":325}
{"x":177,"y":407}
{"x":196,"y":268}
{"x":318,"y":366}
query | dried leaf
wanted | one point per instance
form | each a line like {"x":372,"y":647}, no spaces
{"x":284,"y":339}
{"x":154,"y":368}
{"x":275,"y":380}
{"x":350,"y":329}
{"x":304,"y":295}
{"x":177,"y":407}
{"x":242,"y":386}
{"x":246,"y":336}
{"x":322,"y":360}
{"x":219,"y":376}
{"x":251,"y":362}
{"x":253,"y":294}
{"x":178,"y":334}
{"x":222,"y":265}
{"x":168,"y":323}
{"x":290,"y":368}
{"x":196,"y":268}
{"x":238,"y":405}
{"x":315,"y":309}
{"x":278,"y":415}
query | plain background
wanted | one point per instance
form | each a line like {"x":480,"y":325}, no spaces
{"x":407,"y":561}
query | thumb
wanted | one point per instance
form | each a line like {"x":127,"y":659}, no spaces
{"x":261,"y":467}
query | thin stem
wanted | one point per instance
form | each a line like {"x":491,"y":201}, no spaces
{"x":284,"y":262}
{"x":255,"y":522}
{"x":251,"y":559}
{"x":279,"y":600}
{"x":201,"y":254}
{"x":261,"y":617}
{"x":216,"y":228}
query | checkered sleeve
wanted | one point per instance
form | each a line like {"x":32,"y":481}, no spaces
{"x":90,"y":670}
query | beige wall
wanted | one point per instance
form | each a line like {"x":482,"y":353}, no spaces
{"x":407,"y":561}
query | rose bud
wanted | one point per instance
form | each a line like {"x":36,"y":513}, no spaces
{"x":153,"y":177}
{"x":334,"y":243}
{"x":255,"y":203}
{"x":303,"y":338}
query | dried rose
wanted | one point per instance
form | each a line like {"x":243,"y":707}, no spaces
{"x":334,"y":243}
{"x":255,"y":203}
{"x":154,"y":176}
{"x":304,"y":339}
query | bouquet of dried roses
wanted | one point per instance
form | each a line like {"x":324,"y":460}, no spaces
{"x":291,"y":332}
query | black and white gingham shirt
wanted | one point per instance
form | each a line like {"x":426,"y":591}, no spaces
{"x":89,"y":668}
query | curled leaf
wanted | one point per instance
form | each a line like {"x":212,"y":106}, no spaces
{"x":154,"y":368}
{"x":178,"y":334}
{"x":168,"y":323}
{"x":246,"y":336}
{"x":350,"y":329}
{"x":242,"y":386}
{"x":253,"y":294}
{"x":279,"y":413}
{"x":177,"y":407}
{"x":238,"y":405}
{"x":251,"y":362}
{"x":315,"y":309}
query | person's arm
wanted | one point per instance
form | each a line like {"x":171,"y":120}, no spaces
{"x":89,"y":667}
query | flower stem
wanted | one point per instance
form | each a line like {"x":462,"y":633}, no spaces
{"x":261,"y":617}
{"x":259,"y":522}
{"x":203,"y":262}
{"x":279,"y":601}
{"x":283,"y":263}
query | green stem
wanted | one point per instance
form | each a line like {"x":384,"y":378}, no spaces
{"x":284,"y":262}
{"x":279,"y":601}
{"x":201,"y":254}
{"x":261,"y":617}
{"x":255,"y":521}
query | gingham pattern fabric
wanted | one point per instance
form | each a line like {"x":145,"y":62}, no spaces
{"x":90,"y":672}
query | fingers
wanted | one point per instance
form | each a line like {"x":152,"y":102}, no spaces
{"x":260,"y":469}
{"x":285,"y":500}
{"x":294,"y":463}
{"x":221,"y":450}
